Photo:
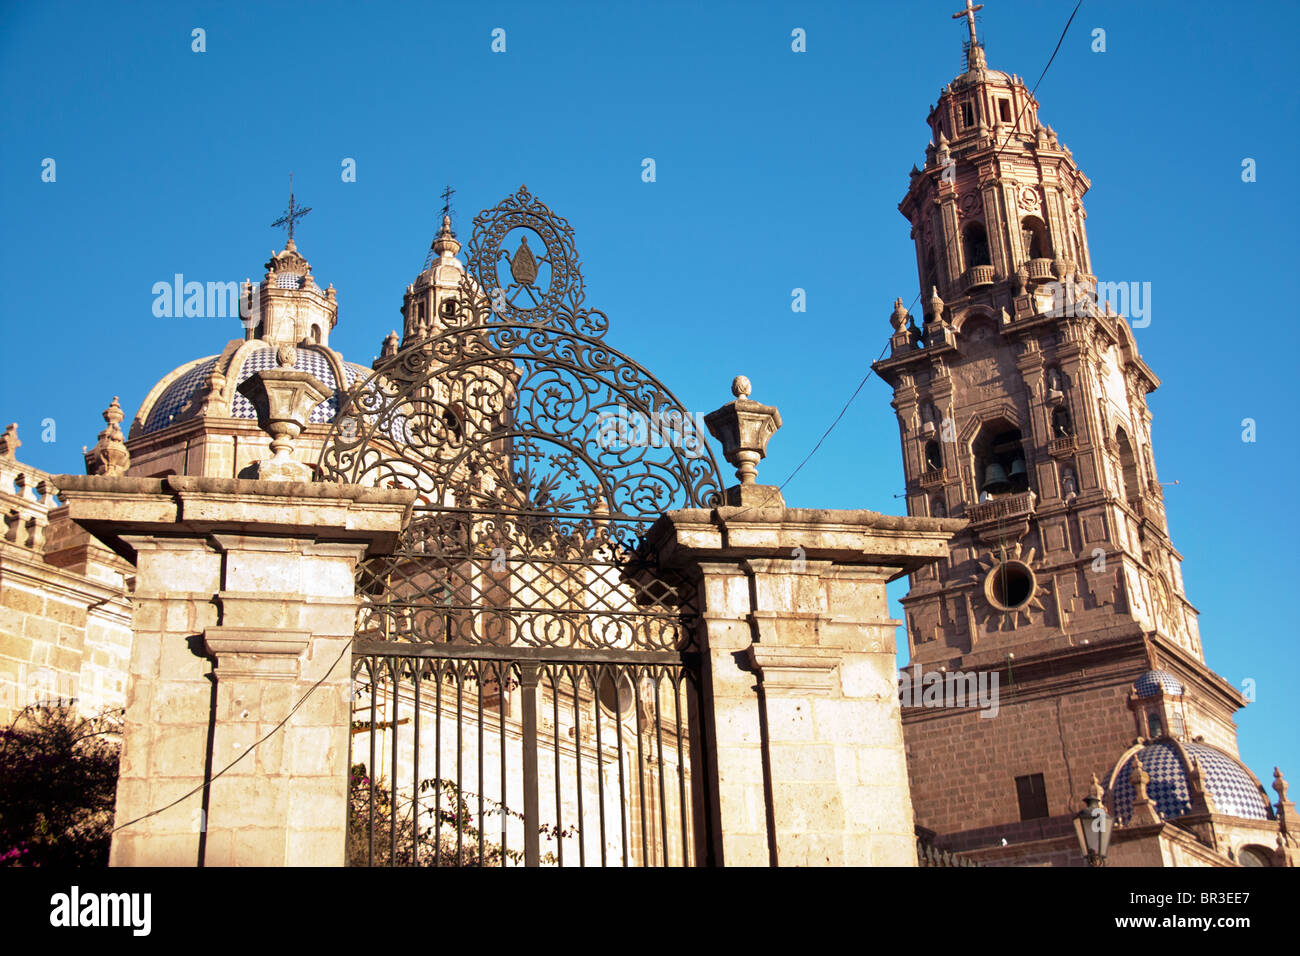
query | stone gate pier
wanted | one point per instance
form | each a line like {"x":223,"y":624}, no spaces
{"x":244,"y":606}
{"x":803,"y":742}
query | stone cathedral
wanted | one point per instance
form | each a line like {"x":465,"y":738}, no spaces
{"x":1022,"y":407}
{"x":715,"y":682}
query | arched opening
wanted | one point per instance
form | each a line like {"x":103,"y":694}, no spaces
{"x":1128,"y":464}
{"x":933,"y":456}
{"x":1034,"y":234}
{"x":938,"y":509}
{"x":1062,"y":427}
{"x":315,"y":334}
{"x":999,"y":459}
{"x":976,"y":243}
{"x":1254,"y":856}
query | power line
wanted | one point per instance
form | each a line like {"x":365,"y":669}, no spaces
{"x":1033,"y":91}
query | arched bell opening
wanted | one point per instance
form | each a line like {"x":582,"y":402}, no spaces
{"x":1034,"y":234}
{"x":1128,"y":464}
{"x":976,"y":243}
{"x":1000,"y":466}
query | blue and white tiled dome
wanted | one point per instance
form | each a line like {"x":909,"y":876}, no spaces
{"x":1153,"y":682}
{"x":193,"y":382}
{"x":1234,"y":790}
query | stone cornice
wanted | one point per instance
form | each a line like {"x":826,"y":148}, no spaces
{"x":113,"y":508}
{"x":854,"y":537}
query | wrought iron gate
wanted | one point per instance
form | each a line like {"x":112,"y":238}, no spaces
{"x":525,"y":676}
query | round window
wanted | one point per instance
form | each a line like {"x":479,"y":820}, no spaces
{"x":1010,"y":585}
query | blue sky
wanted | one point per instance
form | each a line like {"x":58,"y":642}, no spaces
{"x":775,"y":170}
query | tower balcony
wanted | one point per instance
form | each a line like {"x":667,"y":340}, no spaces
{"x":977,"y":277}
{"x":1002,"y":519}
{"x":933,"y":478}
{"x":1040,"y":269}
{"x":1062,"y":447}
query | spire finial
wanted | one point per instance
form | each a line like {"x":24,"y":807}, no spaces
{"x":969,"y":14}
{"x":294,"y":213}
{"x":445,"y":241}
{"x":110,"y":456}
{"x":447,"y":193}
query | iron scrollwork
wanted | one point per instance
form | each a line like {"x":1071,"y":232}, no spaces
{"x":513,"y":421}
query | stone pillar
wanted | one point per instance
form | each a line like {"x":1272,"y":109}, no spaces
{"x":235,"y":742}
{"x":801,"y":758}
{"x":800,"y":704}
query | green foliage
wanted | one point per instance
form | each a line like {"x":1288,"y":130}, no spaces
{"x":58,"y":784}
{"x":440,"y":827}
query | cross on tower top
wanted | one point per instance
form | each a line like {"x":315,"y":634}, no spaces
{"x":969,"y":14}
{"x":294,"y":213}
{"x":447,"y":193}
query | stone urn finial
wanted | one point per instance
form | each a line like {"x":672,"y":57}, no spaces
{"x":1139,"y":778}
{"x":936,"y":305}
{"x":284,"y":398}
{"x":1095,"y":790}
{"x":109,"y":456}
{"x":744,"y":427}
{"x":899,"y":317}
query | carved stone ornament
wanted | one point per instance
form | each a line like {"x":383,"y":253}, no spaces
{"x":744,"y":428}
{"x":109,"y":456}
{"x":284,"y":399}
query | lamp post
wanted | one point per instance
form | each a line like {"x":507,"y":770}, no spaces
{"x":1092,"y":825}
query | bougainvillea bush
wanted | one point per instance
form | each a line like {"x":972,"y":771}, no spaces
{"x":58,"y":782}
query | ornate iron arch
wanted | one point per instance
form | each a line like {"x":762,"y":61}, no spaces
{"x":541,"y":456}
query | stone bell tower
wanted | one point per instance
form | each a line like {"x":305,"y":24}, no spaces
{"x":1022,"y":407}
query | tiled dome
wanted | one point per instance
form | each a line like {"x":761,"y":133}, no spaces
{"x":194,"y":381}
{"x":1153,"y":682}
{"x":1235,"y":792}
{"x":178,"y":393}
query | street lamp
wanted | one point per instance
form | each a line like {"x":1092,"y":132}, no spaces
{"x":1092,"y":825}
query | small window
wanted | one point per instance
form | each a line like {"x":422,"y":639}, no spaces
{"x":1004,"y":110}
{"x":1032,"y":797}
{"x":1155,"y":727}
{"x":967,"y":115}
{"x":315,"y":334}
{"x":448,"y":308}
